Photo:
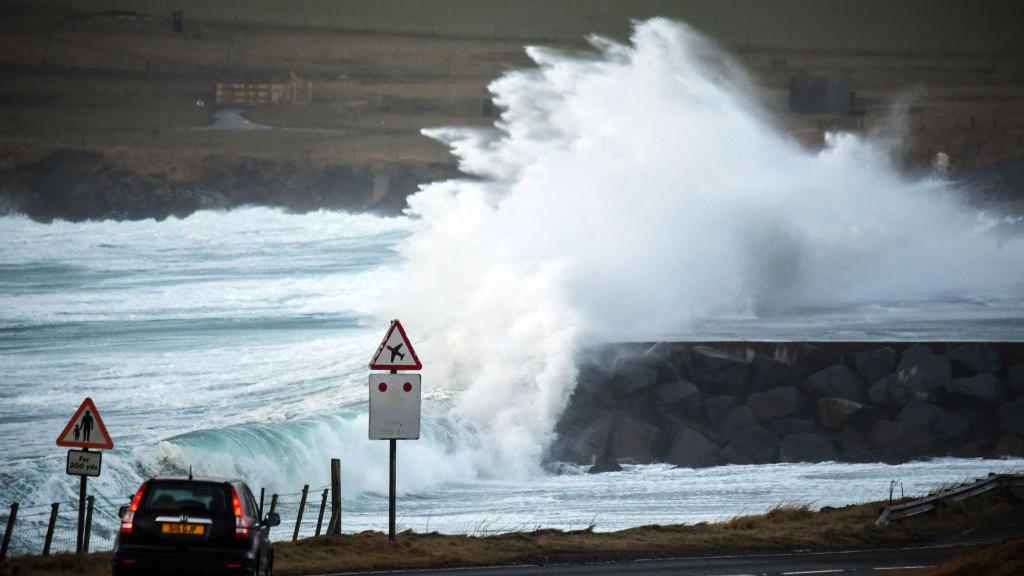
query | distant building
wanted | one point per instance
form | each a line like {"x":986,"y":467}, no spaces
{"x":810,"y":93}
{"x":292,"y":92}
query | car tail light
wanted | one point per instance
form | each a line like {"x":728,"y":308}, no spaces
{"x":128,"y":519}
{"x":242,"y":522}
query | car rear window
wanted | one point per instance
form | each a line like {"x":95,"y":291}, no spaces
{"x":186,"y":497}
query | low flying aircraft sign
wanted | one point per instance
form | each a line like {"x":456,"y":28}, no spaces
{"x":395,"y":351}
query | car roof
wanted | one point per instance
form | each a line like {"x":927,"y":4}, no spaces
{"x":208,"y":479}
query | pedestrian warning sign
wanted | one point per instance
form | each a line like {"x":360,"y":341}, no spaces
{"x":395,"y":351}
{"x":86,"y":429}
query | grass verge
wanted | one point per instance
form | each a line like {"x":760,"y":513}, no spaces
{"x":786,"y":527}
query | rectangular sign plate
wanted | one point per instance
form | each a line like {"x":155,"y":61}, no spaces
{"x":82,"y":463}
{"x":183,"y":529}
{"x":395,"y":406}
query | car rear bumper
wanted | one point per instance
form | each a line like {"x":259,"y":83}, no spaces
{"x":182,"y":562}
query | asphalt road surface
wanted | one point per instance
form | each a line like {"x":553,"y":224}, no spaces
{"x":878,"y":562}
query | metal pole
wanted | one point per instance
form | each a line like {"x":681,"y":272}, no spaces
{"x":54,"y":508}
{"x":8,"y":532}
{"x":302,"y":508}
{"x":273,"y":508}
{"x":88,"y":524}
{"x":391,"y":493}
{"x":81,"y":514}
{"x":262,"y":491}
{"x":334,"y":527}
{"x":320,"y":517}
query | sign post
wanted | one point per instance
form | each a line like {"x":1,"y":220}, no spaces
{"x":85,"y":430}
{"x":395,"y":401}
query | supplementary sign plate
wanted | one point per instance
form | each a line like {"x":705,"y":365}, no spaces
{"x":395,"y":351}
{"x":86,"y":429}
{"x":82,"y":463}
{"x":395,"y":406}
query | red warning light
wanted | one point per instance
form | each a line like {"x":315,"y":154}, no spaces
{"x":382,"y":387}
{"x":407,"y":387}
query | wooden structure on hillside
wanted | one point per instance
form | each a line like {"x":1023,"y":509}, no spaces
{"x":810,"y":93}
{"x":292,"y":92}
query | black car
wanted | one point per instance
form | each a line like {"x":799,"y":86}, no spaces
{"x":194,"y":526}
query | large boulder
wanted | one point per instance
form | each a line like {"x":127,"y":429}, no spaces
{"x":1009,"y":445}
{"x":670,"y":359}
{"x":604,"y":464}
{"x":1012,"y":416}
{"x":718,"y":407}
{"x":806,"y":448}
{"x":1015,"y":380}
{"x":886,"y":434}
{"x":939,"y":422}
{"x":586,"y":446}
{"x":974,"y":358}
{"x":739,"y":418}
{"x":595,"y":382}
{"x":920,"y":360}
{"x":856,"y":445}
{"x":634,"y":440}
{"x":806,"y":359}
{"x":676,"y":391}
{"x":790,"y":426}
{"x":768,"y":373}
{"x":897,"y":442}
{"x":691,"y":449}
{"x":901,"y":387}
{"x":873,"y":365}
{"x":681,"y":399}
{"x":834,"y":413}
{"x":718,"y":372}
{"x":630,"y":377}
{"x":776,"y":403}
{"x":983,"y":387}
{"x":836,"y":382}
{"x":753,"y":445}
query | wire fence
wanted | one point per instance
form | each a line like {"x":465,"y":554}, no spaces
{"x":26,"y":533}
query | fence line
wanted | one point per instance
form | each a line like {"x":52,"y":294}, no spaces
{"x":44,"y":529}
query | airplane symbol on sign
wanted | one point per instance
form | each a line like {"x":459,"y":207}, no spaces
{"x":395,"y":351}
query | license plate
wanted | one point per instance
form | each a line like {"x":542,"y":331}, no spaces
{"x":184,"y":529}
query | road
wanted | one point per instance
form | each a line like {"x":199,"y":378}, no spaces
{"x":877,"y":562}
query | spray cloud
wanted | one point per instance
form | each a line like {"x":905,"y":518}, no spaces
{"x":633,"y":190}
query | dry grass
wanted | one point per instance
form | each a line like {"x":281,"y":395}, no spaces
{"x":1002,"y":559}
{"x":786,"y":527}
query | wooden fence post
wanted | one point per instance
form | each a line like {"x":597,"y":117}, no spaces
{"x":54,"y":508}
{"x":273,"y":508}
{"x":88,"y":524}
{"x":320,"y":517}
{"x":302,"y":508}
{"x":334,"y":526}
{"x":8,"y":532}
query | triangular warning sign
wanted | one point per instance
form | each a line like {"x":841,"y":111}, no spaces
{"x":86,"y":429}
{"x":395,"y":351}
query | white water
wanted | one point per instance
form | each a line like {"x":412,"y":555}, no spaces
{"x":628,"y":194}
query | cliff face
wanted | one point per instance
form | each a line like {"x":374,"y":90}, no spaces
{"x":696,"y":405}
{"x":76,"y":185}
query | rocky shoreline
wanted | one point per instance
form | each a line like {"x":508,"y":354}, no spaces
{"x":78,"y":185}
{"x":697,"y":405}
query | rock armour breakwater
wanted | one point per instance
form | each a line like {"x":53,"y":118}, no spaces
{"x":698,"y":405}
